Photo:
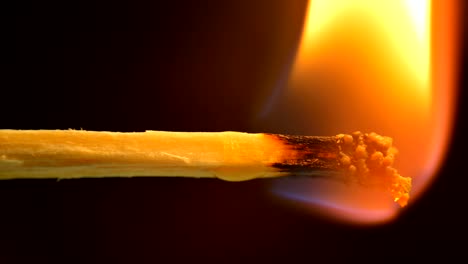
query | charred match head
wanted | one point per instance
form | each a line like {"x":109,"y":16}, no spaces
{"x":363,"y":158}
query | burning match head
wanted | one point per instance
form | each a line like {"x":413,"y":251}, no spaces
{"x":368,"y":159}
{"x":363,"y":158}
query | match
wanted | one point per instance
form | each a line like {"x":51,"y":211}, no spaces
{"x":363,"y":158}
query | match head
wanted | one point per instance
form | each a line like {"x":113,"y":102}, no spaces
{"x":368,"y":158}
{"x":363,"y":158}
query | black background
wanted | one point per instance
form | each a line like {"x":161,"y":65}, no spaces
{"x":180,"y":66}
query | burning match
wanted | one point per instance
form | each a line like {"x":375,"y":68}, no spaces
{"x":362,"y":158}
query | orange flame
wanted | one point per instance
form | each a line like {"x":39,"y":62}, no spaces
{"x":386,"y":66}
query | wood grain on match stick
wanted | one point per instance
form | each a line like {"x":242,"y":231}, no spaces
{"x":234,"y":156}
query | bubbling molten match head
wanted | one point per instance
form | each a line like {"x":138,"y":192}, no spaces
{"x":369,"y":159}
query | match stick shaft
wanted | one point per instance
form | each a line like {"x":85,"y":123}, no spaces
{"x":231,"y":156}
{"x":234,"y":156}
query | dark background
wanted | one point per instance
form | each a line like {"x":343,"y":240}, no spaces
{"x":180,"y":66}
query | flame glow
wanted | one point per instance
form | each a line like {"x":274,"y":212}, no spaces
{"x":405,"y":22}
{"x":372,"y":66}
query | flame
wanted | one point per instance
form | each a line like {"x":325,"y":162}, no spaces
{"x":379,"y":66}
{"x":405,"y":23}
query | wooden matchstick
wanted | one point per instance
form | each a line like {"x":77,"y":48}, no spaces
{"x":234,"y":156}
